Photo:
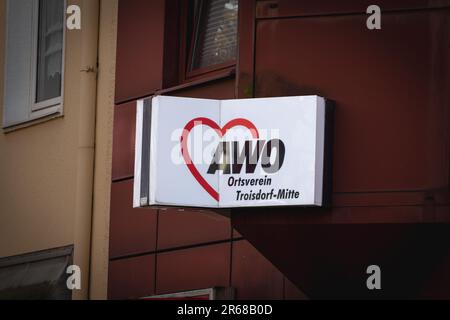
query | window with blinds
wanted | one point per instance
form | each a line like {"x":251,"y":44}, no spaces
{"x":215,"y":33}
{"x":34,"y":60}
{"x":50,"y":49}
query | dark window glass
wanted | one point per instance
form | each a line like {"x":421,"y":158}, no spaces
{"x":215,"y":38}
{"x":50,"y":49}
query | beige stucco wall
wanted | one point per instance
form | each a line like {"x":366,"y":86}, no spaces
{"x":103,"y":150}
{"x":45,"y":199}
{"x":38,"y":168}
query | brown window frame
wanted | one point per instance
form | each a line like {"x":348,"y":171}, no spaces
{"x":187,"y":50}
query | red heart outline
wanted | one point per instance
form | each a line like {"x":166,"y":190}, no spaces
{"x":221,"y":132}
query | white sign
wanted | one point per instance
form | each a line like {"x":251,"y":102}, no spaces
{"x":230,"y":153}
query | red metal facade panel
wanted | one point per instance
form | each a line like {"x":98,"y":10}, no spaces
{"x":132,"y":278}
{"x":437,"y":285}
{"x":184,"y":228}
{"x":345,"y":215}
{"x":391,"y":155}
{"x":291,"y":292}
{"x":140,"y":47}
{"x":196,"y":268}
{"x":329,"y":261}
{"x":292,"y":8}
{"x":132,"y":231}
{"x":443,"y":213}
{"x":123,"y":141}
{"x":391,"y":93}
{"x":236,"y":234}
{"x":253,"y":276}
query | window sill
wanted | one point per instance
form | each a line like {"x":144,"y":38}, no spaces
{"x":188,"y":84}
{"x":55,"y":113}
{"x":211,"y":70}
{"x":219,"y":75}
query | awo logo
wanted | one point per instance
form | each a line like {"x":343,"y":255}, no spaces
{"x":205,"y":153}
{"x":234,"y":157}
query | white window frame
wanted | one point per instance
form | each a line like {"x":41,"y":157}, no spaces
{"x":37,"y":110}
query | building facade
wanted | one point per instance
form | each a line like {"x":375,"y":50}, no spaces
{"x":67,"y":148}
{"x":390,"y":205}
